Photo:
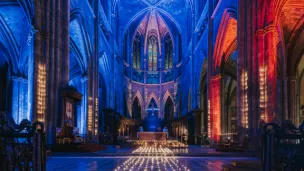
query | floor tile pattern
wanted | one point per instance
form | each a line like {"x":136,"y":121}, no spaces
{"x":120,"y":163}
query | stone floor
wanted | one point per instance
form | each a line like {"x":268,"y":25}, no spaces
{"x":192,"y":150}
{"x":191,"y":158}
{"x":66,"y":163}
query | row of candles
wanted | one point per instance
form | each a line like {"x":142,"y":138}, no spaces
{"x":123,"y":132}
{"x":153,"y":150}
{"x":152,"y":163}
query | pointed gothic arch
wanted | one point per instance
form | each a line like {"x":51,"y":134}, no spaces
{"x":82,"y":47}
{"x":226,"y":39}
{"x":9,"y":46}
{"x":80,"y":51}
{"x":164,"y":100}
{"x":136,"y":109}
{"x":153,"y":95}
{"x":168,"y":109}
{"x":167,"y":95}
{"x":139,"y":96}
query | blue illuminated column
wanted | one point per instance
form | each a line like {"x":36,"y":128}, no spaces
{"x":19,"y":99}
{"x":84,"y":106}
{"x":78,"y":114}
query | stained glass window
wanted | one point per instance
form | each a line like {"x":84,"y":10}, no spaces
{"x":152,"y":53}
{"x":136,"y":53}
{"x":168,"y":52}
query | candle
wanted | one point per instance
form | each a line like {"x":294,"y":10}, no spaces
{"x":119,"y":132}
{"x":123,"y":132}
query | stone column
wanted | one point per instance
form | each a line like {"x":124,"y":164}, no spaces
{"x":215,"y":107}
{"x":197,"y":120}
{"x":279,"y":100}
{"x":84,"y":106}
{"x":224,"y":95}
{"x":286,"y":101}
{"x":145,"y":98}
{"x":291,"y":82}
{"x":78,"y":114}
{"x":210,"y":68}
{"x":193,"y":83}
{"x":131,"y":68}
{"x":271,"y":40}
{"x":19,"y":99}
{"x":229,"y":130}
{"x":267,"y":40}
{"x":39,"y":57}
{"x":50,"y":62}
{"x":161,"y":103}
{"x":243,"y":37}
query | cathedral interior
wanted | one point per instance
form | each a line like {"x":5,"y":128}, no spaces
{"x":158,"y":84}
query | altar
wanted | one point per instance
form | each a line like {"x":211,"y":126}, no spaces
{"x":152,"y":135}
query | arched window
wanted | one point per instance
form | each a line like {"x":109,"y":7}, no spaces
{"x":136,"y":52}
{"x":168,"y":52}
{"x":169,"y":109}
{"x":152,"y":53}
{"x":136,"y":109}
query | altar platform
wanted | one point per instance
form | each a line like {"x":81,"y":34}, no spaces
{"x":152,"y":136}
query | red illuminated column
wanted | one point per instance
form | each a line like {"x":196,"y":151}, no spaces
{"x":291,"y":83}
{"x":267,"y":52}
{"x":215,"y":107}
{"x":271,"y":40}
{"x":267,"y":43}
{"x":262,"y":75}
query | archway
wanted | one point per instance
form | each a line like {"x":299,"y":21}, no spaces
{"x":232,"y":115}
{"x":102,"y":104}
{"x":79,"y":53}
{"x":169,"y":110}
{"x":225,"y":45}
{"x":4,"y":82}
{"x":300,"y":90}
{"x":189,"y":100}
{"x":203,"y":103}
{"x":285,"y":27}
{"x":228,"y":90}
{"x":169,"y":114}
{"x":136,"y":109}
{"x":152,"y":123}
{"x":16,"y":62}
{"x":125,"y":106}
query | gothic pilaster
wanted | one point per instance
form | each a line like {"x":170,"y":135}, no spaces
{"x":19,"y":99}
{"x":286,"y":101}
{"x":84,"y":106}
{"x":161,"y":103}
{"x":214,"y":98}
{"x":271,"y":60}
{"x":242,"y":70}
{"x":50,"y":62}
{"x":291,"y":82}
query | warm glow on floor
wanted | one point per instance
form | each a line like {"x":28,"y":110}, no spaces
{"x":151,"y":163}
{"x":153,"y":150}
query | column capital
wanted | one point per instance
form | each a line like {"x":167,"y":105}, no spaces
{"x":270,"y":28}
{"x":259,"y":32}
{"x":267,"y":29}
{"x":84,"y":78}
{"x":215,"y":77}
{"x":19,"y":79}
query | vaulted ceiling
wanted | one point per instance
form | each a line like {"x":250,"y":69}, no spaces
{"x":165,"y":15}
{"x":292,"y":18}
